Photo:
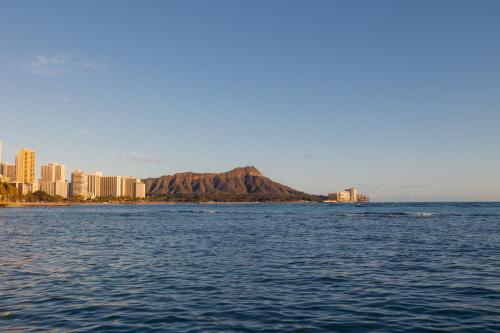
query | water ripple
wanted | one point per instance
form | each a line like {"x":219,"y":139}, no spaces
{"x":251,"y":268}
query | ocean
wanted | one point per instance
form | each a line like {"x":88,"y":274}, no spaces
{"x":419,"y":267}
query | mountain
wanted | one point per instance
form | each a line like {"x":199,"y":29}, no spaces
{"x":241,"y":183}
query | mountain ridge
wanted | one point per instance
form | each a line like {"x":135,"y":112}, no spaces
{"x":246,"y":181}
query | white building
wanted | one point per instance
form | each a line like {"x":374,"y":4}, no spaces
{"x":94,"y":184}
{"x":111,"y":186}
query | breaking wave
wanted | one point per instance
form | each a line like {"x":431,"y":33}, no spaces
{"x":390,"y":214}
{"x":197,"y":211}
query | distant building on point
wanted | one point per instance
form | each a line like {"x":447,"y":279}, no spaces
{"x":348,"y":195}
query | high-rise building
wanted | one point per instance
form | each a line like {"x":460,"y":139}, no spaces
{"x":53,"y":172}
{"x":132,"y":187}
{"x":128,"y":187}
{"x":79,"y":183}
{"x":94,"y":184}
{"x":8,"y":171}
{"x":140,"y":190}
{"x":353,"y":194}
{"x":53,"y":180}
{"x":25,"y":166}
{"x":111,"y":186}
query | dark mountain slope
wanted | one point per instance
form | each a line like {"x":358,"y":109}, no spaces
{"x":240,"y":181}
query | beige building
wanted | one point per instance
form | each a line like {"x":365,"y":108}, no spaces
{"x":53,"y":172}
{"x":111,"y":186}
{"x":25,"y":188}
{"x":8,"y":171}
{"x":35,"y":187}
{"x":132,"y":187}
{"x":140,"y":190}
{"x":59,"y":188}
{"x":353,"y":194}
{"x":349,"y":195}
{"x":94,"y":184}
{"x":53,"y":180}
{"x":25,"y":166}
{"x":342,"y":196}
{"x":79,"y":183}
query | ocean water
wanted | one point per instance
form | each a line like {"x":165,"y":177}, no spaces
{"x":251,"y":268}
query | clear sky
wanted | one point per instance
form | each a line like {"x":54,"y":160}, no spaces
{"x":399,"y":98}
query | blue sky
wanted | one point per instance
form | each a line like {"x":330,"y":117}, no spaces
{"x":399,"y":98}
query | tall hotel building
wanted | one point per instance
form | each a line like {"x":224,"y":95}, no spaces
{"x":94,"y":184}
{"x":53,"y":181}
{"x":111,"y":186}
{"x":79,"y":183}
{"x":133,"y":187}
{"x":25,"y":166}
{"x":53,"y":172}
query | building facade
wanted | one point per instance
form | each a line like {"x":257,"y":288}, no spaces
{"x":348,"y":195}
{"x":25,"y":166}
{"x":8,"y":171}
{"x":25,"y":188}
{"x":53,"y":172}
{"x":58,"y":188}
{"x":111,"y":186}
{"x":53,"y":180}
{"x":353,"y":194}
{"x":79,"y":183}
{"x":342,"y":196}
{"x":94,"y":184}
{"x":140,"y":190}
{"x":133,"y":187}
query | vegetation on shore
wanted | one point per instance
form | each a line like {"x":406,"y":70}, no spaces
{"x":8,"y":192}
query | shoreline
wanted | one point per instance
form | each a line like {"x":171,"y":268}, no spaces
{"x":33,"y":204}
{"x":67,"y":204}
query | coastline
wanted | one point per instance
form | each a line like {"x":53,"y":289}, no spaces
{"x":33,"y":204}
{"x":66,"y":204}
